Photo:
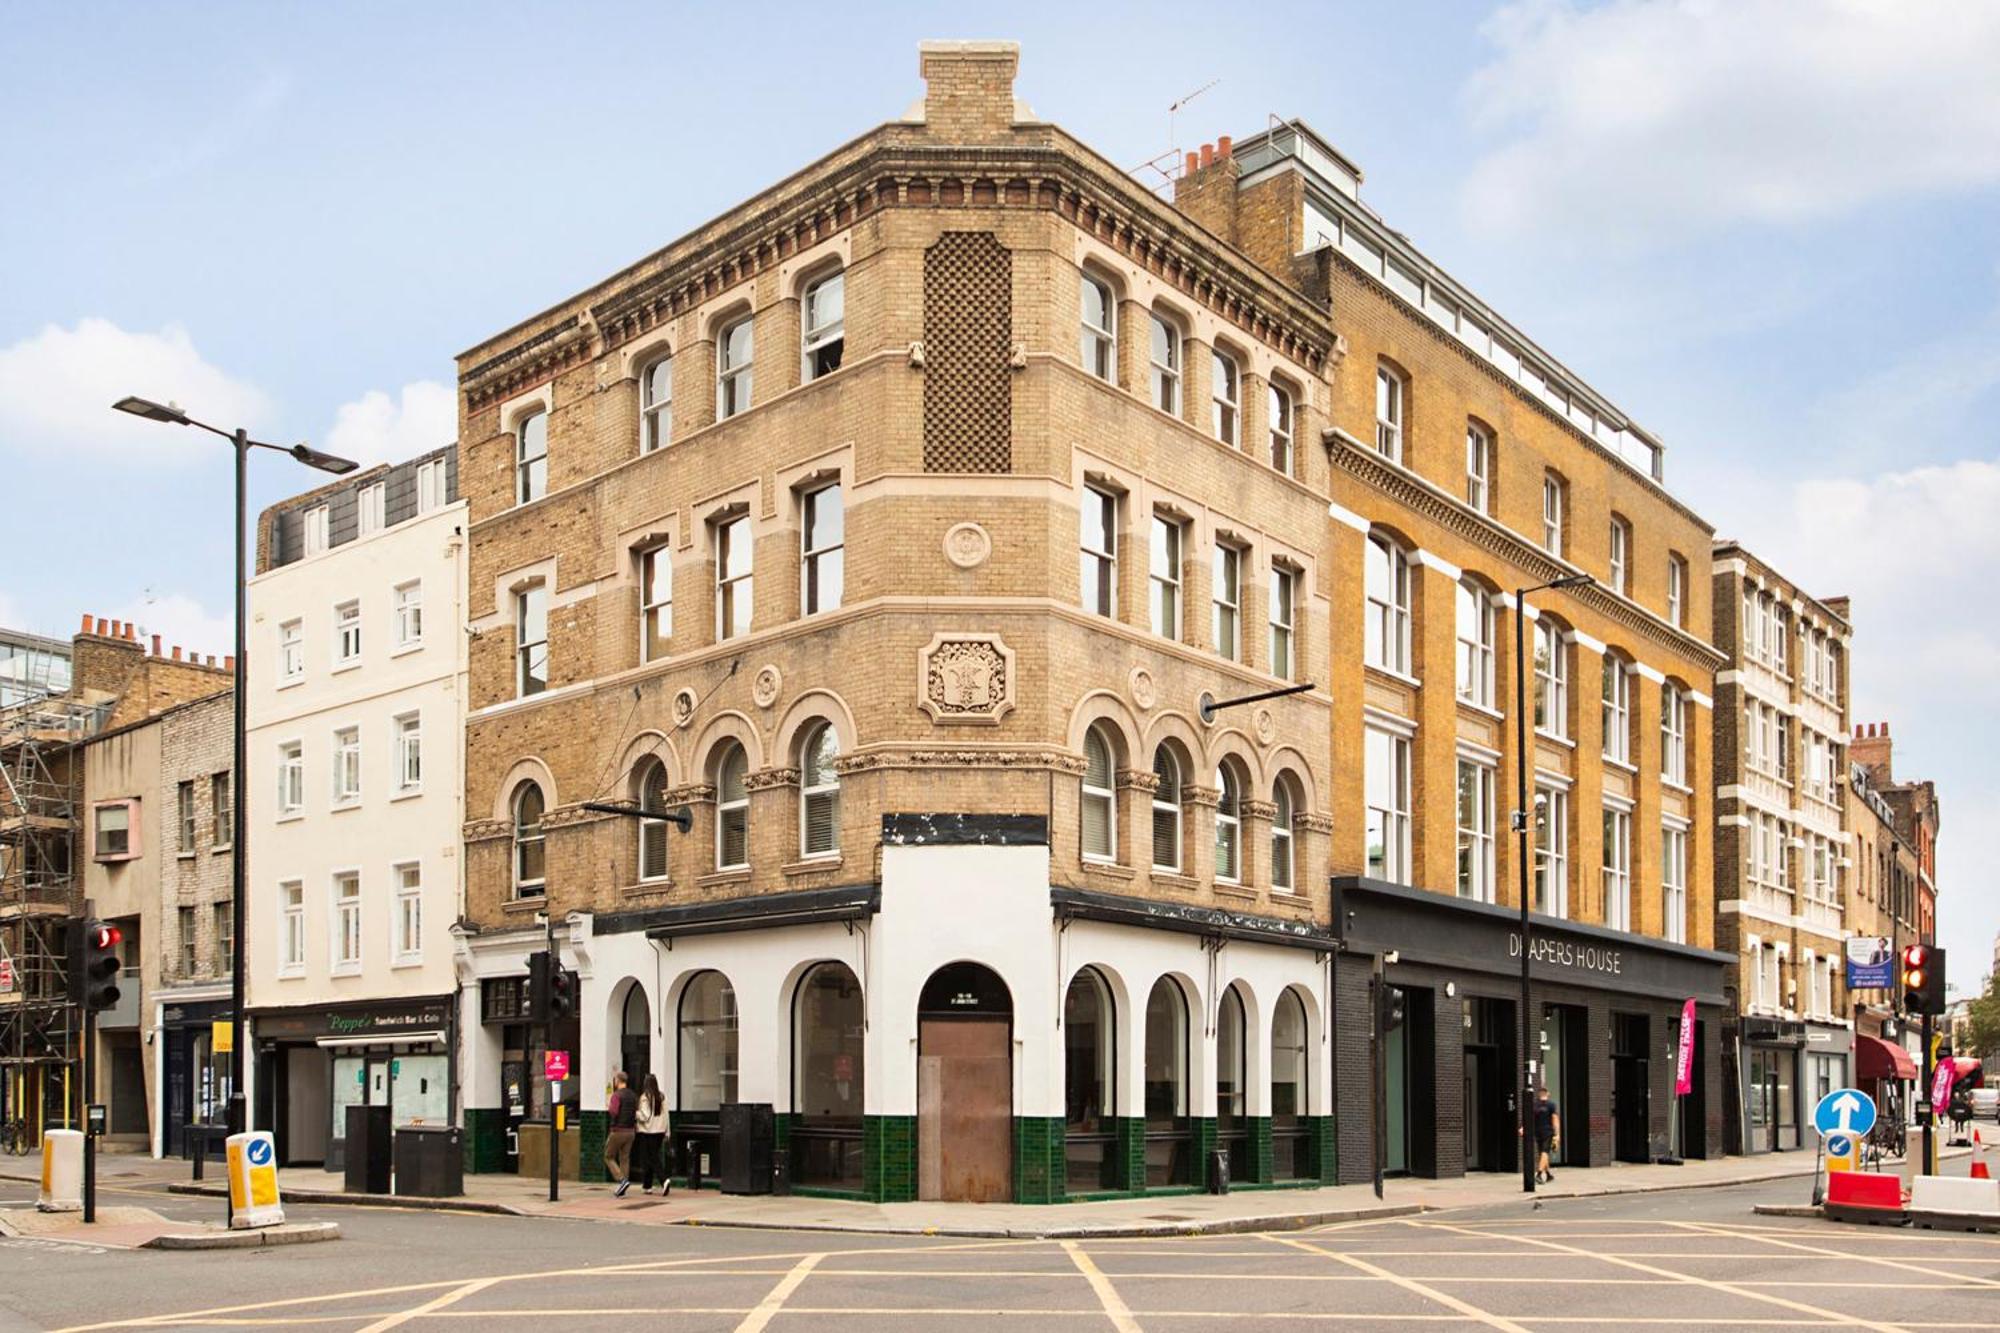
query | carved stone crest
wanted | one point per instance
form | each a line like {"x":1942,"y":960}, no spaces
{"x":967,"y":545}
{"x":1144,"y":693}
{"x":765,"y":688}
{"x":965,"y":678}
{"x":1267,"y":727}
{"x":684,"y":702}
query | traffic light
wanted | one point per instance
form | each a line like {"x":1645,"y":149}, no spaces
{"x":551,"y":990}
{"x":95,"y":966}
{"x":1923,"y":979}
{"x":562,"y":994}
{"x":538,"y":987}
{"x":1394,"y":1008}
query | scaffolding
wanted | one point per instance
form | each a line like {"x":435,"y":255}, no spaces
{"x":41,"y":802}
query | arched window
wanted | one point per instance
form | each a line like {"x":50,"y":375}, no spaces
{"x":1099,"y":346}
{"x":1090,"y":1053}
{"x":1232,"y":1125}
{"x":1279,"y":409}
{"x":635,"y":1036}
{"x":706,"y":1070}
{"x":1166,"y":810}
{"x":1169,"y":1141}
{"x":819,"y":791}
{"x":656,"y":405}
{"x":827,"y":1096}
{"x":1617,"y":711}
{"x":1228,"y":824}
{"x":1225,"y":388}
{"x":1388,"y":589}
{"x":1100,"y":797}
{"x":1291,"y":1144}
{"x":1475,"y":644}
{"x":1165,"y":352}
{"x":1551,"y":678}
{"x":732,"y":809}
{"x":649,"y":789}
{"x":1673,"y":735}
{"x":823,"y":325}
{"x":734,"y":348}
{"x":1390,"y":392}
{"x":1282,"y":809}
{"x":531,"y":458}
{"x":530,"y":873}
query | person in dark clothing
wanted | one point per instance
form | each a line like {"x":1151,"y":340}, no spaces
{"x":650,"y":1143}
{"x":623,"y":1113}
{"x":1548,"y":1134}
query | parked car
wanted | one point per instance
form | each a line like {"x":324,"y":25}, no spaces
{"x":1986,"y":1104}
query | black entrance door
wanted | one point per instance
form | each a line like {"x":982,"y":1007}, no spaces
{"x":1630,"y":1093}
{"x":1694,"y":1102}
{"x":1489,"y":1086}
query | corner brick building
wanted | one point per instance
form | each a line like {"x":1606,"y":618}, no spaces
{"x":897,"y":523}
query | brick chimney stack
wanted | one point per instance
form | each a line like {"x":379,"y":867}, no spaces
{"x":1870,"y":748}
{"x":1206,"y":189}
{"x":969,"y":89}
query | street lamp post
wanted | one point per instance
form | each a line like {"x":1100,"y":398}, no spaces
{"x":1524,"y":852}
{"x":239,"y":1119}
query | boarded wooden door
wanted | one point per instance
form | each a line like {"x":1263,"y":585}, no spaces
{"x":965,"y":1127}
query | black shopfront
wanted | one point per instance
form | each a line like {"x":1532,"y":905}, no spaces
{"x":194,"y":1077}
{"x":1606,"y":1021}
{"x":315,"y":1061}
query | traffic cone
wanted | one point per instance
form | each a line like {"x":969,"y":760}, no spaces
{"x":1979,"y":1171}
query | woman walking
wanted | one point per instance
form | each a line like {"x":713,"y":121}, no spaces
{"x":651,"y":1142}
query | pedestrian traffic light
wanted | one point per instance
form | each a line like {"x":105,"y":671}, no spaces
{"x":1923,"y":979}
{"x":95,"y":966}
{"x":562,"y":994}
{"x":1394,"y":1008}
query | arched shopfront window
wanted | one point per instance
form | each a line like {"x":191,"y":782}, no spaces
{"x":1090,"y":1054}
{"x":1291,"y":1138}
{"x":1232,"y":1122}
{"x":635,"y":1037}
{"x":705,"y":1067}
{"x":1169,"y":1131}
{"x":826,"y":1078}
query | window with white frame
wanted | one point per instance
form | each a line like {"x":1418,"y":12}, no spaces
{"x":656,"y":405}
{"x":1781,"y":638}
{"x":409,"y":913}
{"x":1551,"y":678}
{"x":823,"y":326}
{"x":531,"y":458}
{"x":1761,"y":988}
{"x":1390,"y":392}
{"x":1097,"y":572}
{"x":430,"y":486}
{"x":291,"y":778}
{"x":1552,"y":514}
{"x":822,"y":549}
{"x":819,"y":791}
{"x":1098,"y":349}
{"x":184,"y":816}
{"x":1386,"y":780}
{"x":656,"y":601}
{"x":1283,"y":807}
{"x":1225,"y":388}
{"x":1552,"y":851}
{"x":292,"y":650}
{"x":1099,"y":819}
{"x":221,"y":810}
{"x":531,"y":640}
{"x":409,"y":752}
{"x":315,"y":530}
{"x":1228,"y":825}
{"x":649,"y":789}
{"x":1478,"y":467}
{"x":1164,"y":575}
{"x":1279,"y":408}
{"x":1387,"y":579}
{"x":346,"y":765}
{"x":530,"y":842}
{"x":1226,"y":595}
{"x":292,"y":928}
{"x":1164,"y":352}
{"x":1673,"y":735}
{"x":1283,"y":599}
{"x":1475,"y":830}
{"x":1677,"y":577}
{"x":347,"y":921}
{"x":734,"y":589}
{"x":1166,"y":810}
{"x":347,"y":633}
{"x":1475,"y":644}
{"x":1673,"y":883}
{"x":1616,"y":711}
{"x":732,"y":809}
{"x":371,"y":510}
{"x":1617,"y":849}
{"x":733,"y":357}
{"x":1621,"y":556}
{"x":407,"y":602}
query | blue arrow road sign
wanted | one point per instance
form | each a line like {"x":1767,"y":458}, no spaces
{"x":1839,"y":1145}
{"x":259,"y":1152}
{"x":1844,"y":1111}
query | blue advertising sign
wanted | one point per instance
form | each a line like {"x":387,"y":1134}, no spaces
{"x":1871,"y":963}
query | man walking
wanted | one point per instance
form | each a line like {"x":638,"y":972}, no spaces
{"x":1548,"y":1134}
{"x":623,"y":1112}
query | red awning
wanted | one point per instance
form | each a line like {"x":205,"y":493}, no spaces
{"x":1875,"y":1058}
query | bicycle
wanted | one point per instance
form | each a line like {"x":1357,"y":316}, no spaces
{"x":14,"y":1138}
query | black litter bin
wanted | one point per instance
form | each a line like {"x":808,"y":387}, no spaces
{"x":1218,"y":1171}
{"x":368,"y":1150}
{"x":430,"y":1162}
{"x":748,"y":1136}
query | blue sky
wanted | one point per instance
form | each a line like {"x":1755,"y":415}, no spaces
{"x":1768,"y":229}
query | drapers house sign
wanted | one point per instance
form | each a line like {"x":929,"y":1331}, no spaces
{"x":1562,"y":953}
{"x":965,"y":678}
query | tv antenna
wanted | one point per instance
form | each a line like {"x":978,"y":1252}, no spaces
{"x":1164,"y":164}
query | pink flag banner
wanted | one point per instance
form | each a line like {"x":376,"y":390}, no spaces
{"x":1941,"y":1081}
{"x":1684,"y":1063}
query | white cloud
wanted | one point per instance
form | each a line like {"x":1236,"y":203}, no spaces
{"x":376,"y":428}
{"x":1644,"y":117}
{"x":179,"y":620}
{"x":57,"y":388}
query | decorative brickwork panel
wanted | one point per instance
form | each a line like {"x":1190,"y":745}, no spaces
{"x":1040,"y":1165}
{"x":968,"y":339}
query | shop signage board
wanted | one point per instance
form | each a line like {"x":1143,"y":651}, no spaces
{"x":555,"y":1066}
{"x":221,"y":1037}
{"x":1871,"y":963}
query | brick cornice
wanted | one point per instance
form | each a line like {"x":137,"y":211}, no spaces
{"x":1040,"y":758}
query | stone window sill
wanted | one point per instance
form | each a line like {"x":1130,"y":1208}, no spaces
{"x":814,"y":864}
{"x":525,"y":905}
{"x":1173,"y":879}
{"x":1109,"y":869}
{"x":739,"y":875}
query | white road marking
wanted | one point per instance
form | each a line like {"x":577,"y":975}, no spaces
{"x":1114,"y":1305}
{"x":774,"y":1300}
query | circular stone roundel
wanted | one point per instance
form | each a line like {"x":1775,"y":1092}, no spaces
{"x":967,"y":545}
{"x":765,"y":688}
{"x":1143,"y":692}
{"x":684,"y":703}
{"x":1267,"y":727}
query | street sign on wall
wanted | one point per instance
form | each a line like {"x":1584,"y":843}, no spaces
{"x":555,"y":1066}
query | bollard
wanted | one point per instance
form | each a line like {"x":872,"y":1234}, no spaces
{"x":253,"y":1180}
{"x":62,"y":1171}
